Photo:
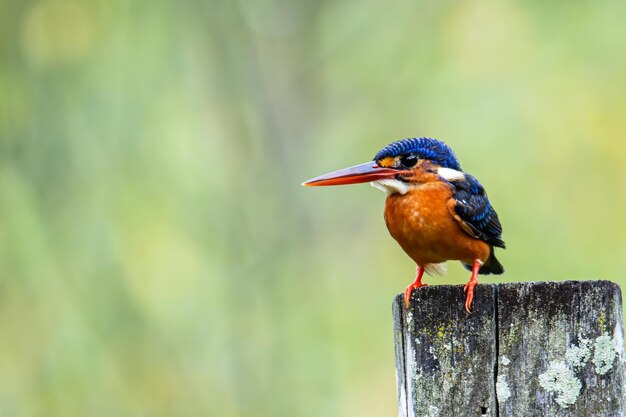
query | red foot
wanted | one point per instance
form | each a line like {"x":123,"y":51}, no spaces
{"x":414,"y":285}
{"x":469,"y":287}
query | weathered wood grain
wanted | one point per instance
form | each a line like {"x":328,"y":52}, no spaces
{"x":445,"y":357}
{"x":527,"y":349}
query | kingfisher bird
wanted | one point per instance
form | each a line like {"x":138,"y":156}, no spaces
{"x":434,"y":210}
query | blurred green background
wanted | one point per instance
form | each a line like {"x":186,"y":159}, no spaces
{"x":158,"y":256}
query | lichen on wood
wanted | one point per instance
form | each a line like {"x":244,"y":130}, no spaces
{"x":527,"y":349}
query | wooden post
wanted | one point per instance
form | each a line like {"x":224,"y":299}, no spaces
{"x":527,"y":349}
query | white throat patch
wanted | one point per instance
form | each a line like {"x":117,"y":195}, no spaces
{"x":391,"y":186}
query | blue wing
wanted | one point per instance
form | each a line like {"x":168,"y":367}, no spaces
{"x":474,"y":211}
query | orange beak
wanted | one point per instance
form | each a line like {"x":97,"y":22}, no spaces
{"x":357,"y":174}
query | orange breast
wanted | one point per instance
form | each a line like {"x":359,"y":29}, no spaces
{"x":422,"y":224}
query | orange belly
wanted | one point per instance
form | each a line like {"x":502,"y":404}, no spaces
{"x":422,"y":224}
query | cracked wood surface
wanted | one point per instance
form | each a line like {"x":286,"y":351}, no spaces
{"x":527,"y":349}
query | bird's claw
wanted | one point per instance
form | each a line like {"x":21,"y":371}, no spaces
{"x":409,"y":290}
{"x":469,"y":295}
{"x":469,"y":287}
{"x":417,"y":283}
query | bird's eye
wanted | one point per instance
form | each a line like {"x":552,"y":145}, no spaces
{"x":408,"y":161}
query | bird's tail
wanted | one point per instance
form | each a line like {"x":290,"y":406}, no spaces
{"x":491,"y":266}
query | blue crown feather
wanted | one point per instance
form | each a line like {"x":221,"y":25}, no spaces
{"x":425,"y":148}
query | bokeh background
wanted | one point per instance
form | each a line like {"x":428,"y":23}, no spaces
{"x":158,"y":256}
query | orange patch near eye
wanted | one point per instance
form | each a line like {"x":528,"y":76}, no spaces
{"x":386,"y":162}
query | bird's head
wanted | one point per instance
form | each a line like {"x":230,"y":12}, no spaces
{"x":398,"y":165}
